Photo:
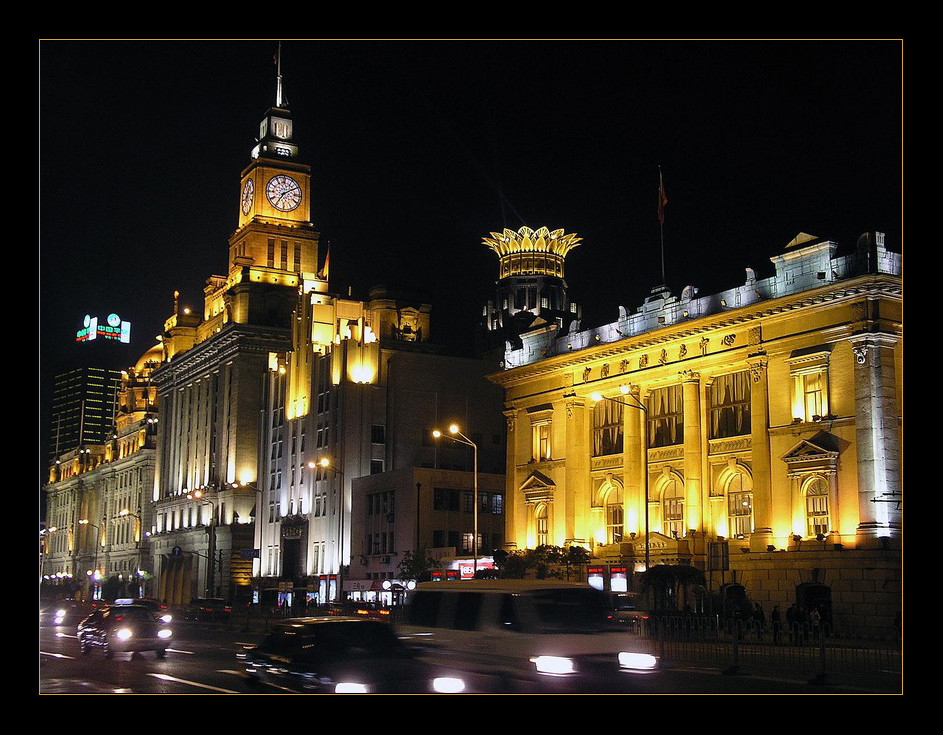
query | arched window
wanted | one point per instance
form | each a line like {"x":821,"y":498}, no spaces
{"x":614,"y":515}
{"x":672,"y":508}
{"x":739,"y":505}
{"x":816,"y":506}
{"x":543,"y":526}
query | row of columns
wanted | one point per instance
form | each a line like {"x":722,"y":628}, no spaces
{"x":878,"y":466}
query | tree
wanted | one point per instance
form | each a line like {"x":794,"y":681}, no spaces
{"x":417,"y":566}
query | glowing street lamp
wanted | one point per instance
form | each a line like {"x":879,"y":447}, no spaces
{"x":211,"y":572}
{"x":458,"y":437}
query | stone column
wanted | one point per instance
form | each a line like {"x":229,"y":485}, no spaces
{"x":691,"y":388}
{"x":515,"y":520}
{"x":759,"y":437}
{"x":572,"y":517}
{"x":877,"y":436}
{"x":633,"y":457}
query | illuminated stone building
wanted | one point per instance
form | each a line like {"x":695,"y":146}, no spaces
{"x":99,"y":510}
{"x":753,"y":433}
{"x":362,"y":391}
{"x":275,"y":375}
{"x":210,"y":386}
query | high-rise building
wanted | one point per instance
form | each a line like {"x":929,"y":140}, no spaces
{"x":83,"y":404}
{"x":278,"y":375}
{"x":211,"y":386}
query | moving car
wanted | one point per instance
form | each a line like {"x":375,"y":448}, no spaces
{"x":64,"y":612}
{"x":629,"y":608}
{"x":158,"y":608}
{"x":524,"y":636}
{"x":207,"y":608}
{"x":340,"y":655}
{"x":123,"y":628}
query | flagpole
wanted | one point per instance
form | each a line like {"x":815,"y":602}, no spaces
{"x":662,"y":201}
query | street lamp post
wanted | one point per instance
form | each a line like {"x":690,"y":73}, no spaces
{"x":211,"y":571}
{"x":95,"y":574}
{"x":624,"y":389}
{"x":124,"y":512}
{"x":459,"y":438}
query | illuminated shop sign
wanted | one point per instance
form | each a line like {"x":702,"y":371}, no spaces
{"x":113,"y":328}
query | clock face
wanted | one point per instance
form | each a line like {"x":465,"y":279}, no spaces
{"x":283,"y":193}
{"x":248,"y":193}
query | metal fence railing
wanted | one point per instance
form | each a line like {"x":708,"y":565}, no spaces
{"x":812,"y":652}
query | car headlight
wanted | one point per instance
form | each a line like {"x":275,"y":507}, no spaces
{"x":60,"y":613}
{"x":349,"y":687}
{"x":124,"y":633}
{"x":164,"y":633}
{"x":448,"y":685}
{"x":558,"y":665}
{"x":637,"y":660}
{"x":166,"y":618}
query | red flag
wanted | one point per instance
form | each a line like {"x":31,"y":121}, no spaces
{"x":662,"y":198}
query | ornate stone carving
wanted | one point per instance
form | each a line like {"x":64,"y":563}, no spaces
{"x":755,"y":336}
{"x":643,"y":361}
{"x":663,"y":357}
{"x":728,"y":339}
{"x":623,"y":366}
{"x":758,"y":368}
{"x":604,"y":371}
{"x":861,"y":353}
{"x":682,"y":352}
{"x":586,"y":373}
{"x":703,"y":345}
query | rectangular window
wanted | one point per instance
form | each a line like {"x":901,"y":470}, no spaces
{"x":376,"y":466}
{"x":730,"y":405}
{"x":809,"y":372}
{"x":378,"y":434}
{"x":665,"y":417}
{"x":607,"y":428}
{"x":541,"y":435}
{"x":271,"y":252}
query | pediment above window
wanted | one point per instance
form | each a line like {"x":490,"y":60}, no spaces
{"x":537,"y":488}
{"x":818,"y":454}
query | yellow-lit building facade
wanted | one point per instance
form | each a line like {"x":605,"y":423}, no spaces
{"x":754,"y":433}
{"x":99,"y":511}
{"x":211,"y":385}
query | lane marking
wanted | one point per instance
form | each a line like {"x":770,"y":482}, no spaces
{"x":56,"y":655}
{"x":167,"y":677}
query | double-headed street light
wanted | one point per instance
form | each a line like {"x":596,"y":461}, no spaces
{"x":637,"y":404}
{"x":211,"y":572}
{"x":457,"y":436}
{"x":94,"y":573}
{"x":123,"y":513}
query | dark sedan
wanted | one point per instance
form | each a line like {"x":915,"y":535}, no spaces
{"x":129,"y":628}
{"x":207,"y":608}
{"x":340,"y":655}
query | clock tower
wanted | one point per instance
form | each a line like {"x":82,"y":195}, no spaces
{"x":275,"y":232}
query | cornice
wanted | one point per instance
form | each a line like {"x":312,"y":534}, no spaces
{"x":884,"y":285}
{"x":208,"y":355}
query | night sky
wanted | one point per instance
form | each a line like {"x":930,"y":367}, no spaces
{"x":420,"y":149}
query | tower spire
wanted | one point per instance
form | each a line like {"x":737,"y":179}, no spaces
{"x":278,"y":75}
